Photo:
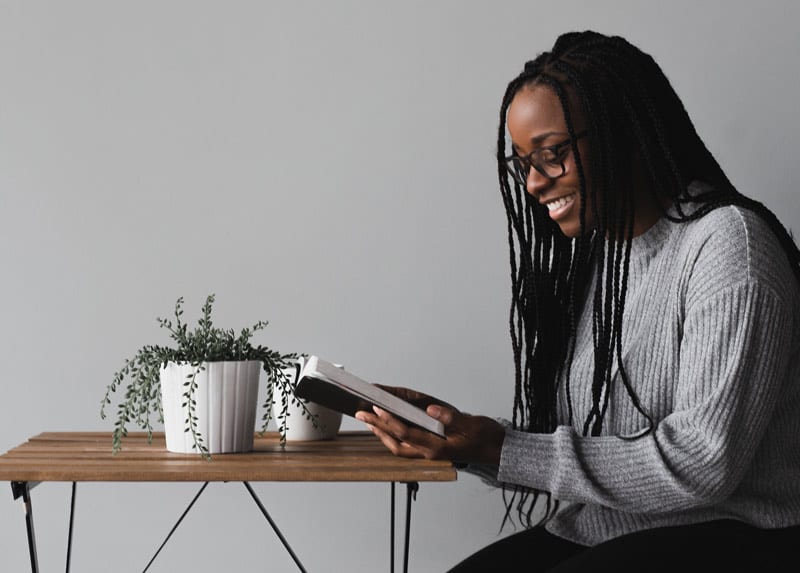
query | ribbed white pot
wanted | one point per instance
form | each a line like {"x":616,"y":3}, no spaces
{"x":299,"y":428}
{"x":226,"y":401}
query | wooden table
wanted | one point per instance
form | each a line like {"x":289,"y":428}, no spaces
{"x":86,"y":457}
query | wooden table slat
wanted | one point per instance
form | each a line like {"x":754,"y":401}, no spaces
{"x":86,"y":456}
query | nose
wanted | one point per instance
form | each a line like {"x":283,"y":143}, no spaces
{"x":536,"y":182}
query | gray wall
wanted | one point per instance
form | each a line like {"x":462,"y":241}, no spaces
{"x":327,"y":166}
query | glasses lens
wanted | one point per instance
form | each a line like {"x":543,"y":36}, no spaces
{"x":553,"y":170}
{"x":550,"y":160}
{"x":517,"y":169}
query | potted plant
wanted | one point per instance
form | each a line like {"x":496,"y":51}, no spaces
{"x":188,"y":384}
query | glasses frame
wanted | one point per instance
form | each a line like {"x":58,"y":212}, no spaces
{"x":532,"y":160}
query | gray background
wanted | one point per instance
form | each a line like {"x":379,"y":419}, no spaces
{"x":327,"y":166}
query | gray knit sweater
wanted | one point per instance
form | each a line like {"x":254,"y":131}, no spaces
{"x":711,"y":344}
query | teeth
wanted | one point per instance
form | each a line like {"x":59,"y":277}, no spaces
{"x":558,"y":203}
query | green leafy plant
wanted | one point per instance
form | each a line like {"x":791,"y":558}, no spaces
{"x":140,"y":375}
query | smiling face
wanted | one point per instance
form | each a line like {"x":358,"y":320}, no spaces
{"x":535,"y":121}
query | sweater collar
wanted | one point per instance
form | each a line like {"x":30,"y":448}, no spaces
{"x":648,"y":244}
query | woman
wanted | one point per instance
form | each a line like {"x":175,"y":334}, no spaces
{"x":655,"y":323}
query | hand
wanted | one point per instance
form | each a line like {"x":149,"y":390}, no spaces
{"x":469,"y":438}
{"x":418,"y":399}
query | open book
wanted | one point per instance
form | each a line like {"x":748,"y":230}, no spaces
{"x":321,"y":382}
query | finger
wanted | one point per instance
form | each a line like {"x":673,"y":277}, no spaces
{"x":445,"y":415}
{"x":363,"y":416}
{"x":387,"y":424}
{"x":393,"y":425}
{"x":394,"y":445}
{"x":422,"y":441}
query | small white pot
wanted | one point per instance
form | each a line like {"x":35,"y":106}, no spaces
{"x":226,"y":401}
{"x":300,"y":428}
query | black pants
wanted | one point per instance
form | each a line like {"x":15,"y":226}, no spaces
{"x":724,"y":545}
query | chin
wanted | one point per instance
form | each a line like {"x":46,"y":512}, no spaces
{"x":570,"y":229}
{"x":571,"y":226}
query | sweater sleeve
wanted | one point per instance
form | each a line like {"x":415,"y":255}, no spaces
{"x":733,"y":357}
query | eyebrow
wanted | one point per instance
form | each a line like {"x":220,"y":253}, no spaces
{"x":535,"y":141}
{"x":541,"y":137}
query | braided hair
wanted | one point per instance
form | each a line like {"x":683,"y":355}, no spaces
{"x":629,"y":107}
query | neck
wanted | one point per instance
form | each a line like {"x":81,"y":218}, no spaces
{"x":647,"y":215}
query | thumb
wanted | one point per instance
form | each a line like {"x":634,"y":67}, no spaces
{"x":442,"y":413}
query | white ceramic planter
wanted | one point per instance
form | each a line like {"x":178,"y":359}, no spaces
{"x":300,"y":428}
{"x":226,"y":403}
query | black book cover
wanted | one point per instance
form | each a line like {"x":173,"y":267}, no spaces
{"x":330,"y":396}
{"x":336,"y":398}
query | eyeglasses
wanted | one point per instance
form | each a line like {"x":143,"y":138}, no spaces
{"x":549,"y":161}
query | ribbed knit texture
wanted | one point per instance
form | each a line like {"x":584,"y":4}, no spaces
{"x":711,"y":344}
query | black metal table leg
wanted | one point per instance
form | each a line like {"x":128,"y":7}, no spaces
{"x":391,"y":533}
{"x":174,"y":527}
{"x":274,"y":526}
{"x":23,"y":489}
{"x":71,"y":523}
{"x":411,"y":493}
